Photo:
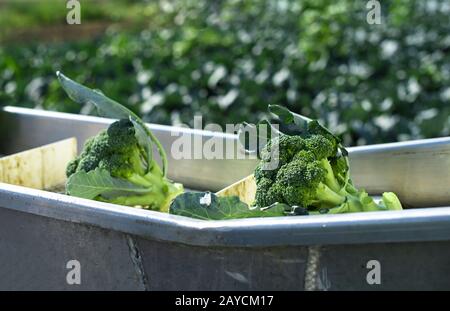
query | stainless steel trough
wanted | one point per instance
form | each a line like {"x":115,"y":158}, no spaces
{"x":122,"y":248}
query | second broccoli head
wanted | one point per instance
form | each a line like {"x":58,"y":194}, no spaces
{"x":118,"y":152}
{"x":312,"y":173}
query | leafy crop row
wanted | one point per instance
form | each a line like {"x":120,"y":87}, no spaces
{"x":228,"y":60}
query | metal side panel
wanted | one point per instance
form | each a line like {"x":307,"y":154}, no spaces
{"x":418,"y":171}
{"x":431,"y":224}
{"x":400,"y":266}
{"x":35,"y":251}
{"x":174,"y":266}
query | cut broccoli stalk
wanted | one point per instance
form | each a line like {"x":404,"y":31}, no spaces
{"x":391,"y":201}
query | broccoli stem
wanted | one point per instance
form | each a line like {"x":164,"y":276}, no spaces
{"x":173,"y":190}
{"x":325,"y":194}
{"x":136,"y":162}
{"x":391,"y":201}
{"x":354,"y":204}
{"x":156,"y":198}
{"x":351,"y":189}
{"x":155,"y":169}
{"x":330,"y":179}
{"x":343,"y":208}
{"x":153,"y":178}
{"x":160,"y":148}
{"x":140,"y":180}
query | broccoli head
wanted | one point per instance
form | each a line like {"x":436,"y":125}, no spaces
{"x":117,"y":151}
{"x":311,"y":173}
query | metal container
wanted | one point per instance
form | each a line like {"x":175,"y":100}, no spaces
{"x":123,"y":248}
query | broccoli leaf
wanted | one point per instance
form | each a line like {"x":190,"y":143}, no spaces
{"x":292,"y":124}
{"x":301,"y":123}
{"x":106,"y":107}
{"x":288,"y":117}
{"x":109,"y":108}
{"x":99,"y":182}
{"x":208,"y":206}
{"x":143,"y":140}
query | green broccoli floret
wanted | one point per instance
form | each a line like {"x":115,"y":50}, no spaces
{"x":314,"y":128}
{"x":312,"y":174}
{"x":320,"y":146}
{"x":308,"y":187}
{"x":261,"y":173}
{"x":270,"y":192}
{"x":282,"y":148}
{"x":118,"y":151}
{"x":72,"y":167}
